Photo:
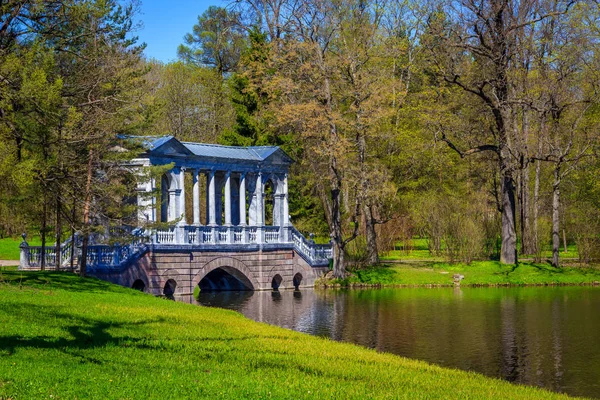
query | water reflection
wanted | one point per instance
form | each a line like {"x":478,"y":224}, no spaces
{"x":547,"y":337}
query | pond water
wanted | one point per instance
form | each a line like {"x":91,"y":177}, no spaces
{"x":546,"y":336}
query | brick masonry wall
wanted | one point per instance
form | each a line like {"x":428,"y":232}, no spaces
{"x":187,"y":268}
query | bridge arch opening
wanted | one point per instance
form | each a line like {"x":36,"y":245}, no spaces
{"x":169,"y":289}
{"x":138,"y":284}
{"x":297,"y":280}
{"x":276,"y":282}
{"x":225,"y":279}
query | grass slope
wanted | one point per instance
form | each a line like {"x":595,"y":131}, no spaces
{"x":63,"y":337}
{"x":478,"y":273}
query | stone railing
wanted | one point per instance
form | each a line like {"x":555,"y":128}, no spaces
{"x":199,"y":235}
{"x":31,"y":256}
{"x":70,"y":252}
{"x":103,"y":255}
{"x":313,"y":253}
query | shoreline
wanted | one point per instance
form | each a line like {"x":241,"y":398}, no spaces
{"x":358,"y":285}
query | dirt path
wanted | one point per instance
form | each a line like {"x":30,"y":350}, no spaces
{"x":8,"y":263}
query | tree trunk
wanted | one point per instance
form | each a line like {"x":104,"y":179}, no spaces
{"x":508,"y":251}
{"x":524,"y":199}
{"x":556,"y":216}
{"x":86,"y":215}
{"x":58,"y":232}
{"x":536,"y":211}
{"x":43,"y":233}
{"x":372,"y":250}
{"x":526,"y":245}
{"x":73,"y":210}
{"x":339,"y":267}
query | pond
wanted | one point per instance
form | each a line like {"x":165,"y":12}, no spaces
{"x":543,"y":336}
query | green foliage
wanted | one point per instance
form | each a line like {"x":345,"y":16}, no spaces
{"x":66,"y":337}
{"x":217,"y":40}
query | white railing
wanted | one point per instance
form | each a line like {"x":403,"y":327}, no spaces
{"x":207,"y":234}
{"x":223,"y":232}
{"x":238,"y":235}
{"x":313,"y":253}
{"x":115,"y":255}
{"x":252,"y":234}
{"x":165,"y":236}
{"x":271,"y":234}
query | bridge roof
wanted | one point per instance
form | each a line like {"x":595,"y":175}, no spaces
{"x":169,"y":147}
{"x":252,"y":153}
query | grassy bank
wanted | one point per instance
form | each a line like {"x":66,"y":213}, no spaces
{"x":477,"y":273}
{"x":65,"y":337}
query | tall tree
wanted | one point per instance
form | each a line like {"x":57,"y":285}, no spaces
{"x":217,"y":40}
{"x":474,"y":47}
{"x":566,"y":95}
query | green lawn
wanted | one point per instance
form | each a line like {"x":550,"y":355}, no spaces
{"x":419,"y":251}
{"x":63,"y":337}
{"x":478,"y":273}
{"x":9,"y":247}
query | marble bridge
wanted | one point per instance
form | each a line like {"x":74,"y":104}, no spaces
{"x":218,"y":219}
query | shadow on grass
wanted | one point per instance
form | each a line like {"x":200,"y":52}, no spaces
{"x":82,"y":333}
{"x":57,"y":280}
{"x":546,"y":268}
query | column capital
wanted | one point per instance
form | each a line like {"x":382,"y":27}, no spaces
{"x":227,"y":174}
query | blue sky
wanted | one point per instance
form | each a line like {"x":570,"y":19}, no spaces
{"x":165,"y":22}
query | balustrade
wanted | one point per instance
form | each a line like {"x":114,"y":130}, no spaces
{"x":100,"y":256}
{"x":272,"y":234}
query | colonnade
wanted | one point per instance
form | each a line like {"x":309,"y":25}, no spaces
{"x":232,"y":198}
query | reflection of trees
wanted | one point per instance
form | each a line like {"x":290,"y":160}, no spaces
{"x":539,"y":336}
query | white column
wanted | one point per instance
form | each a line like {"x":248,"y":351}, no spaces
{"x":260,"y":204}
{"x":172,"y":210}
{"x":196,"y":197}
{"x":260,"y":210}
{"x":182,"y":196}
{"x":154,"y":213}
{"x":212,"y":207}
{"x":228,"y":198}
{"x":286,"y":210}
{"x":242,"y":204}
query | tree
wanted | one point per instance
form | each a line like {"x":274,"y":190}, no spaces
{"x":566,"y":95}
{"x":474,"y":46}
{"x":216,"y":41}
{"x":187,"y":101}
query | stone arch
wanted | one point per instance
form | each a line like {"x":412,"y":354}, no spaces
{"x":169,"y":288}
{"x":230,"y":265}
{"x":276,"y":282}
{"x":297,"y":280}
{"x":139,"y":284}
